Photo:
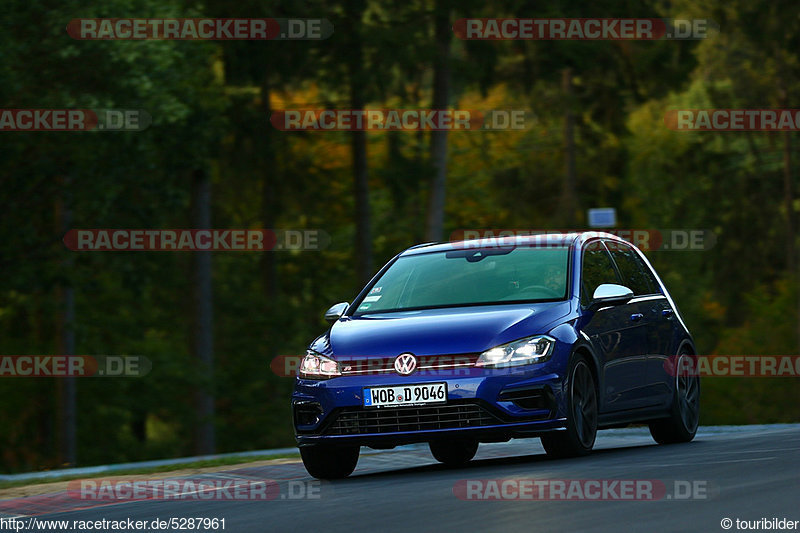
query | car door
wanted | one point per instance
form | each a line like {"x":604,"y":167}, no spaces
{"x":615,"y":332}
{"x":656,"y":319}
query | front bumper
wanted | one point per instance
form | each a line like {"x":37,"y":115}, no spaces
{"x":487,"y":405}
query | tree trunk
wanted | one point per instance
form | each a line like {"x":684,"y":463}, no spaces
{"x":65,"y":341}
{"x":268,"y":203}
{"x":569,"y":204}
{"x":202,"y":334}
{"x":441,"y":99}
{"x":788,"y":201}
{"x":361,"y":191}
{"x":358,"y":143}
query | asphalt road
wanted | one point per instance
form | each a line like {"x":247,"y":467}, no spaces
{"x":748,"y":472}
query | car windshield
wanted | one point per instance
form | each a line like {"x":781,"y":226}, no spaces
{"x":470,"y":277}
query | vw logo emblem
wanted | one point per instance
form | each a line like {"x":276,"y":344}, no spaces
{"x":405,"y":363}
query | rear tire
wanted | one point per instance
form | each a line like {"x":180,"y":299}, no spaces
{"x":453,"y":452}
{"x":328,"y":462}
{"x":681,"y":426}
{"x":578,"y":439}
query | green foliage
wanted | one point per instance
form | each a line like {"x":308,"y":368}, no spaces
{"x":765,"y":331}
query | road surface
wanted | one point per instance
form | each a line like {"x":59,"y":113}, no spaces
{"x":744,"y":472}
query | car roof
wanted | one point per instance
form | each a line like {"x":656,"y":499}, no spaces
{"x":541,"y":238}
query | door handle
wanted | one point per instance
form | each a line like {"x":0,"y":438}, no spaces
{"x":637,"y":317}
{"x":667,"y":312}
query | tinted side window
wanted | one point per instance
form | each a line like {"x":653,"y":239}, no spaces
{"x":597,"y":269}
{"x":635,"y":274}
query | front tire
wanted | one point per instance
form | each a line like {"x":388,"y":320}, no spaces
{"x":681,"y":426}
{"x":578,"y":439}
{"x":328,"y":462}
{"x":453,"y":452}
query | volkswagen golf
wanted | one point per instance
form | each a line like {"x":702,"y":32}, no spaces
{"x":455,"y":344}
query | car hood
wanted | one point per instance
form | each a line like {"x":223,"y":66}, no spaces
{"x":438,"y":331}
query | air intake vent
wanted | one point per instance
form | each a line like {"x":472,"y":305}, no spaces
{"x":530,"y":398}
{"x":391,"y":420}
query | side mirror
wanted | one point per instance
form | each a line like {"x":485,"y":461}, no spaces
{"x":335,"y":312}
{"x":610,"y":294}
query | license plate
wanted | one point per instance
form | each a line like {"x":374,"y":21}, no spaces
{"x":405,"y":395}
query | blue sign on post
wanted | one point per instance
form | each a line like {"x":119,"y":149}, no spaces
{"x":602,"y":217}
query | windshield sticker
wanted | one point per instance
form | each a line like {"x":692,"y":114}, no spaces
{"x":371,"y":299}
{"x":375,"y":290}
{"x":365,"y":306}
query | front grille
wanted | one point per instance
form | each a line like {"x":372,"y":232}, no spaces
{"x":377,"y":365}
{"x":391,"y":420}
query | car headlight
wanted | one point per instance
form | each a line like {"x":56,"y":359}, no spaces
{"x":318,"y":366}
{"x":522,"y":352}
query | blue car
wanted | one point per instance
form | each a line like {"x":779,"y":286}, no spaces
{"x":549,"y":336}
